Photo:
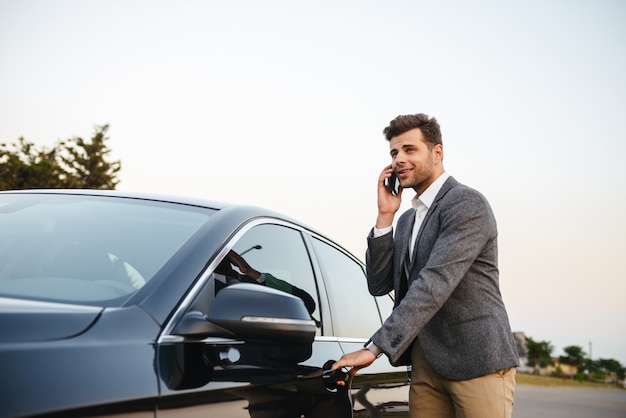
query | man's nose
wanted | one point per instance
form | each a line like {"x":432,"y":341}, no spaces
{"x":400,"y":157}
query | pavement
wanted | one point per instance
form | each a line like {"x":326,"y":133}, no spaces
{"x":567,"y":402}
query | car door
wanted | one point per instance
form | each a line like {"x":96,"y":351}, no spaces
{"x":380,"y":389}
{"x":259,"y":376}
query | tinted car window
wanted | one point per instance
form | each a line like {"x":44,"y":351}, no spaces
{"x":353,"y":309}
{"x":280,"y":254}
{"x":88,"y":249}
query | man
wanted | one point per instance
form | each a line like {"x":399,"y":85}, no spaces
{"x":449,"y":321}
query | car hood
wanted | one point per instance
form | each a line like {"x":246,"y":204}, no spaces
{"x":27,"y":320}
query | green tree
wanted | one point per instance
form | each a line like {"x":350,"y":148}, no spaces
{"x":22,"y":166}
{"x":539,"y":353}
{"x":574,"y":356}
{"x":73,"y":164}
{"x":601,"y":368}
{"x":86,"y":162}
{"x":611,"y":367}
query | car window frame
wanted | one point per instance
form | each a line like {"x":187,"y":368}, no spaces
{"x":167,"y":335}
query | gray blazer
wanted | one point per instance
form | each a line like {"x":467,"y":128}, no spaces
{"x":453,"y":304}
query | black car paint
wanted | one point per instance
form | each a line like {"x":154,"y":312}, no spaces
{"x":105,"y":365}
{"x":125,"y":361}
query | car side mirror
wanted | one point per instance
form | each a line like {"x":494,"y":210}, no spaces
{"x":274,"y":325}
{"x":252,"y":312}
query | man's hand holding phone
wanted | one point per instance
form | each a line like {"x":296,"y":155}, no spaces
{"x":389,"y":197}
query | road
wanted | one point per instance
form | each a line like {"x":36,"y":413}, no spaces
{"x":565,"y":402}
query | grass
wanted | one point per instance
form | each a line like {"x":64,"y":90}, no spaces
{"x":529,"y":379}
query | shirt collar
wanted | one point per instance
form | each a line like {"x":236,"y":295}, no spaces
{"x":428,"y":197}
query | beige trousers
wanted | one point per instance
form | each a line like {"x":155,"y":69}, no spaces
{"x":432,"y":396}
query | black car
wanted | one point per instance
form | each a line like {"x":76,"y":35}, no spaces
{"x":116,"y":304}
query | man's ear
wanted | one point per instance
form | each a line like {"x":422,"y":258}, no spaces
{"x":438,"y":152}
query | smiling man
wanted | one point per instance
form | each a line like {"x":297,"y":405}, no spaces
{"x":449,"y":321}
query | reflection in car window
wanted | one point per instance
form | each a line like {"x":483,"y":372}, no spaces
{"x":353,"y":309}
{"x":87,"y":249}
{"x":279,"y":254}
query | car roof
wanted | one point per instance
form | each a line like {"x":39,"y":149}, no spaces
{"x":215,"y":204}
{"x":243,"y":211}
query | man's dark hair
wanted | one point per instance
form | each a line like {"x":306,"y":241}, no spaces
{"x":429,"y":127}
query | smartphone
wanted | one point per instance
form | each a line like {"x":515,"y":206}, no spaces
{"x":393,"y":184}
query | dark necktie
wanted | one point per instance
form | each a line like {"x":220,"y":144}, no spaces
{"x":406,"y":263}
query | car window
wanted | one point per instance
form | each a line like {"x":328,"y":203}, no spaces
{"x":354,"y":311}
{"x":87,"y":249}
{"x":269,"y":255}
{"x":385,"y":305}
{"x":280,"y":254}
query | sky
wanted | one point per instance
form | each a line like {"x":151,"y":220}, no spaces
{"x":282,"y":104}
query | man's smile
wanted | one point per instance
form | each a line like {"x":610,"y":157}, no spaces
{"x":404,"y":172}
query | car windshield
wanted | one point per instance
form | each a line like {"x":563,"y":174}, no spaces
{"x":85,"y":249}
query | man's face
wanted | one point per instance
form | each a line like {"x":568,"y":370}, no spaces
{"x":415,"y":163}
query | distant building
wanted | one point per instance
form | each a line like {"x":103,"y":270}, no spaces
{"x":520,"y":344}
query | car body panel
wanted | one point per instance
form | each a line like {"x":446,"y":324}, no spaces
{"x":24,"y":321}
{"x":110,"y":363}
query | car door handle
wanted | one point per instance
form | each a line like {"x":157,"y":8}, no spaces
{"x":331,"y":377}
